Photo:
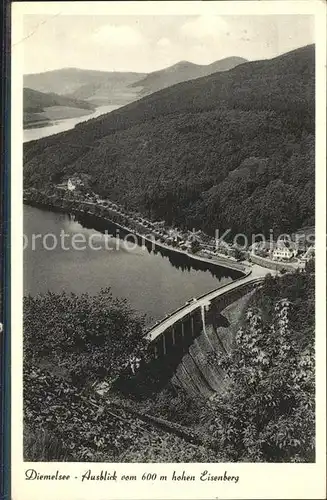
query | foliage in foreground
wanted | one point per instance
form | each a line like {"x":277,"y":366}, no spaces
{"x":70,"y":342}
{"x":56,"y":407}
{"x":63,"y":424}
{"x":268,"y":414}
{"x":85,"y":337}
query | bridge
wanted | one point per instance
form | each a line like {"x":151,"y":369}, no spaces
{"x":177,"y":330}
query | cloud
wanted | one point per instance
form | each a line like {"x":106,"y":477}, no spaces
{"x":118,"y":36}
{"x":164,"y":42}
{"x":204,"y":27}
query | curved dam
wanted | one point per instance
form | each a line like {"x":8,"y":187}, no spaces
{"x":186,"y":344}
{"x":198,"y":372}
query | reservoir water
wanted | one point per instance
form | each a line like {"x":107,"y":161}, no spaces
{"x":57,"y":126}
{"x":154,"y":282}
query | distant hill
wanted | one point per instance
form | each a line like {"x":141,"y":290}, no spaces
{"x":41,"y":107}
{"x":170,"y":154}
{"x":99,"y":87}
{"x":34,"y":102}
{"x":182,"y":72}
{"x":105,"y":87}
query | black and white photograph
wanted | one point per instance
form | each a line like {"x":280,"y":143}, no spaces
{"x":169,"y":238}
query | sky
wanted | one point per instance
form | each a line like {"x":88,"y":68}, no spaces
{"x":149,"y":43}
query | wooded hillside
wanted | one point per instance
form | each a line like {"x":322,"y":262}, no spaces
{"x":182,"y":72}
{"x":230,"y":150}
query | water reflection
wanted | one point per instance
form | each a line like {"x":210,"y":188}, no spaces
{"x":155,"y":281}
{"x":178,"y":260}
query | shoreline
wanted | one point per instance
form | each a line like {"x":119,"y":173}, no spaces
{"x":219,"y":262}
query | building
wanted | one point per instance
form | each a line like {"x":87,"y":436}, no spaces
{"x":282,"y":254}
{"x":284,"y":250}
{"x":70,"y":185}
{"x":264,"y":247}
{"x":175,"y":235}
{"x":75,"y":182}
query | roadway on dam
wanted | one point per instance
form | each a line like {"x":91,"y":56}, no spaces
{"x":254,"y":275}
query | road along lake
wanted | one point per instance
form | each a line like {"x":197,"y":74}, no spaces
{"x":155,"y":281}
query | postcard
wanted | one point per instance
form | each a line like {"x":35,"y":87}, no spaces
{"x":168,"y":250}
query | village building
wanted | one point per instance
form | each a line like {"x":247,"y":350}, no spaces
{"x":187,"y":244}
{"x":70,"y":185}
{"x":175,"y":235}
{"x":284,"y":250}
{"x":264,"y":247}
{"x":209,"y":251}
{"x":74,"y":183}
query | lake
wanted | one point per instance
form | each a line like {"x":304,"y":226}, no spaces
{"x":57,"y":126}
{"x":154,"y":281}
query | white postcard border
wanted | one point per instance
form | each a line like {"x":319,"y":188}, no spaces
{"x":256,"y":480}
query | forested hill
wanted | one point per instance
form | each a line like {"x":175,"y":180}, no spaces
{"x":99,"y":87}
{"x":40,"y":107}
{"x":230,"y":150}
{"x":182,"y":72}
{"x":35,"y":102}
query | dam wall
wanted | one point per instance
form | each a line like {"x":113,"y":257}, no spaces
{"x":198,"y":372}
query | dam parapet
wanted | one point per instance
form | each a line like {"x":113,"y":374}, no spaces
{"x":182,"y":344}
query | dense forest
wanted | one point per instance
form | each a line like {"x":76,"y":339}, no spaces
{"x":230,"y":150}
{"x":267,"y":415}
